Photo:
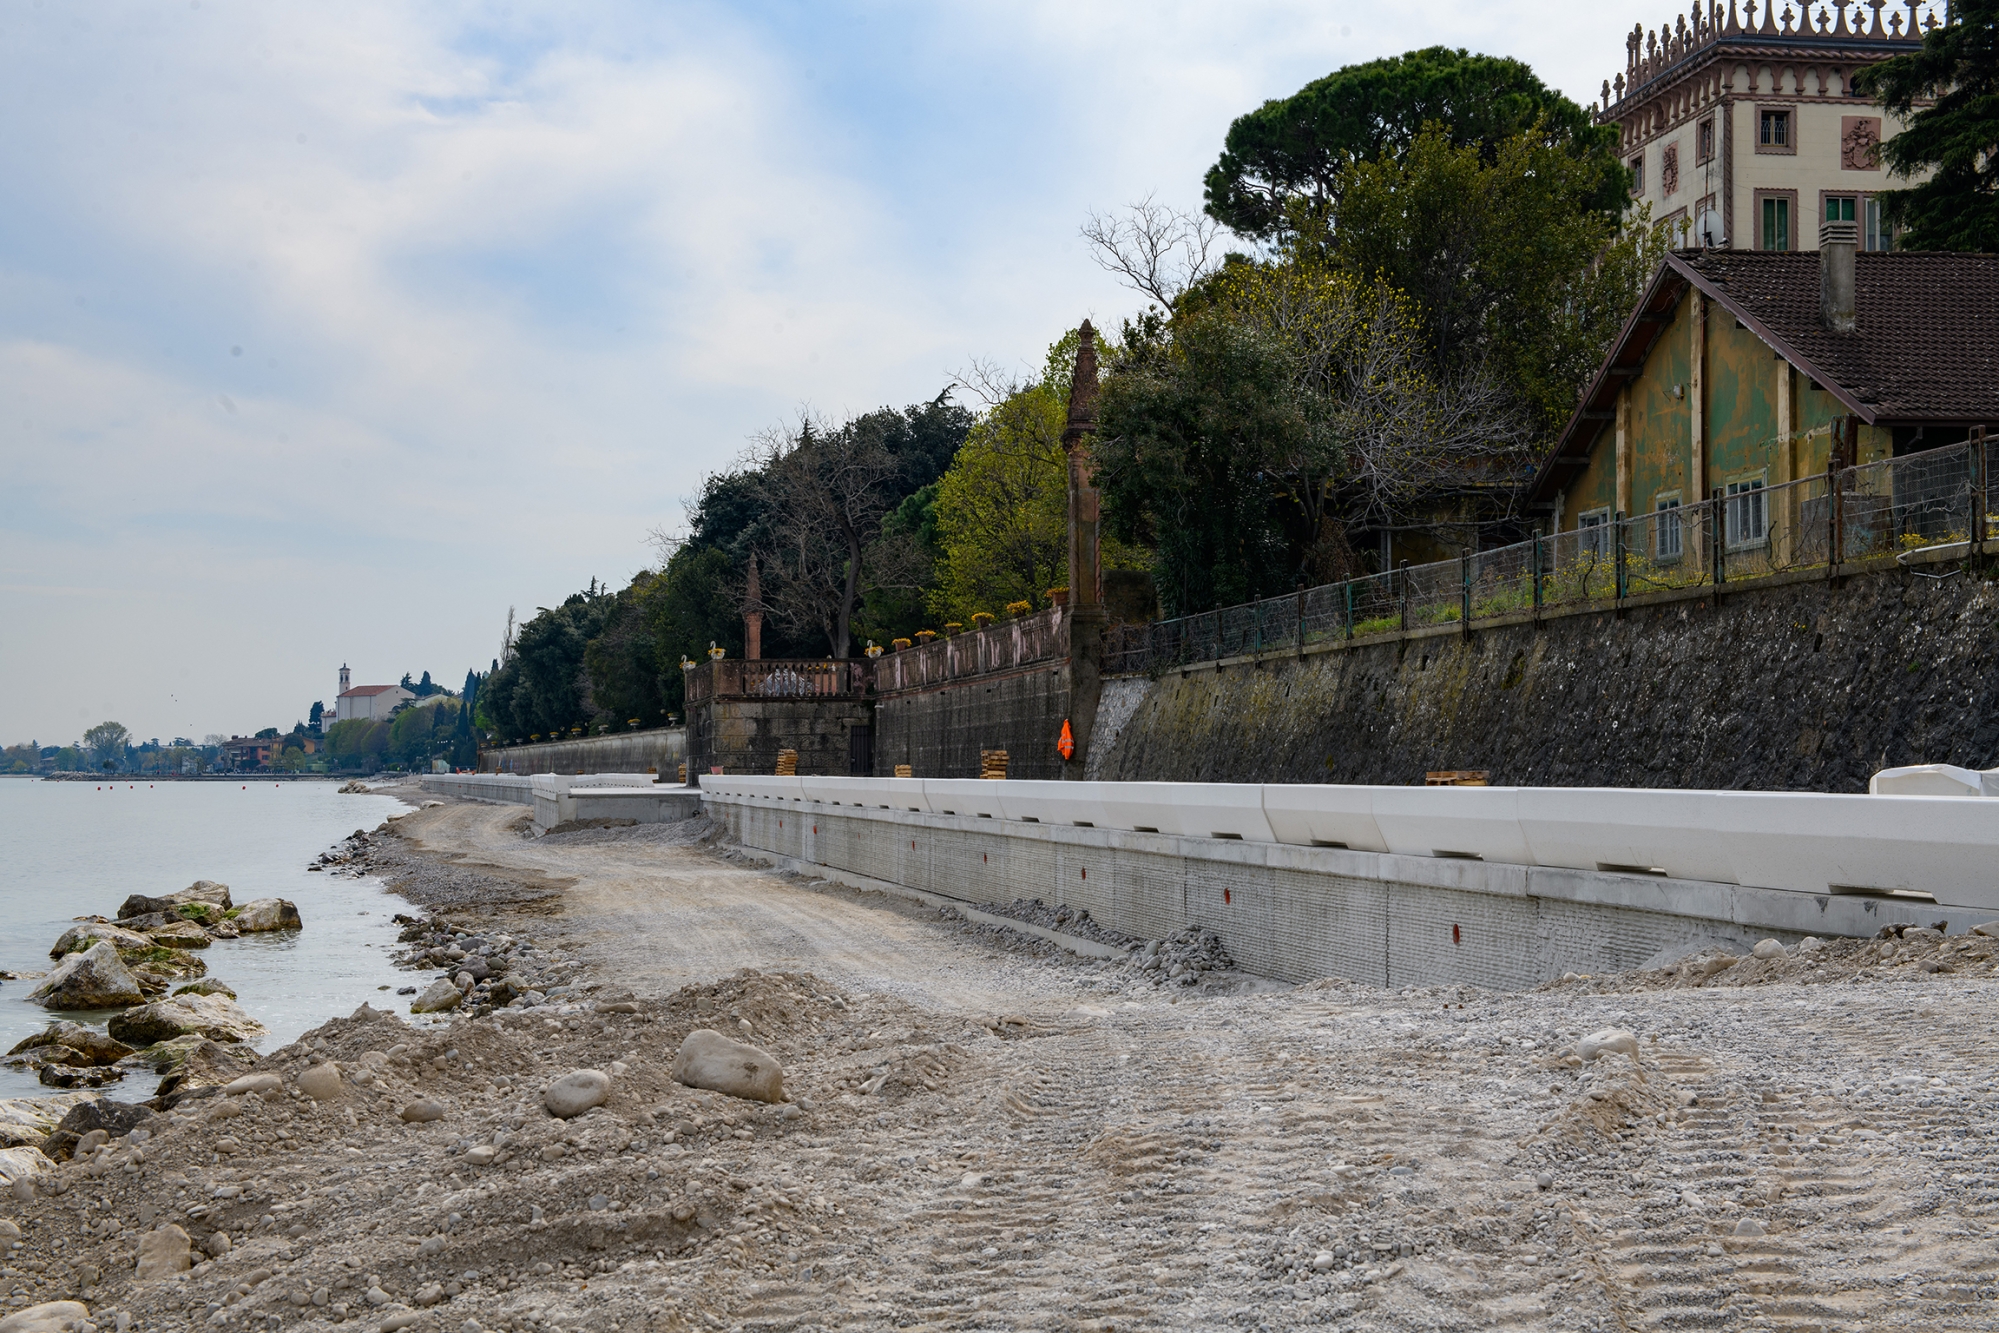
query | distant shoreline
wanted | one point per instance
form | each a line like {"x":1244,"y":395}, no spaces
{"x":194,"y":777}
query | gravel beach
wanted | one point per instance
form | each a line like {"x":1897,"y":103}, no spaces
{"x":982,"y":1131}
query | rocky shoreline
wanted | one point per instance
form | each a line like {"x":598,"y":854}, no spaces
{"x":147,"y":963}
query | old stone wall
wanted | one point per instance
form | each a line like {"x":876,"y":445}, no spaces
{"x":744,"y":735}
{"x":658,"y":750}
{"x":939,"y":732}
{"x":1804,"y":686}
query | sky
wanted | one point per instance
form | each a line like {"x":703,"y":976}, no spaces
{"x":330,"y":332}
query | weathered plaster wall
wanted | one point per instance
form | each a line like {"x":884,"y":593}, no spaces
{"x":1795,"y":687}
{"x":939,"y":732}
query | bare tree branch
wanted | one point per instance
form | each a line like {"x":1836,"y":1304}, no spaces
{"x":1153,"y":248}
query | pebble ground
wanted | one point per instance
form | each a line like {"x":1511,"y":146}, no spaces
{"x":985,"y":1133}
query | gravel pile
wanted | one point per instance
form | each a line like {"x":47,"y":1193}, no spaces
{"x":1069,"y":920}
{"x":1184,"y":958}
{"x":1899,"y":953}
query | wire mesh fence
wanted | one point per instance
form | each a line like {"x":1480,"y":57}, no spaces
{"x":1747,"y":530}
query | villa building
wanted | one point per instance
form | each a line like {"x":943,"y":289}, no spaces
{"x":1745,"y":128}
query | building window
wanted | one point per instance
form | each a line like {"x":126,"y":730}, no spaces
{"x":1860,"y":143}
{"x":1638,"y":174}
{"x":1748,"y":517}
{"x":1878,"y":234}
{"x":1667,"y":540}
{"x":1593,"y":534}
{"x":1704,"y":142}
{"x":1776,"y":217}
{"x":1775,"y":128}
{"x":1669,"y":169}
{"x":1707,"y":222}
{"x":1839,"y":207}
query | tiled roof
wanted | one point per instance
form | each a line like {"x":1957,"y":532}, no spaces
{"x":363,"y":691}
{"x":1928,"y":343}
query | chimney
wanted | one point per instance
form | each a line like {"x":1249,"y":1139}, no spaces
{"x":1837,"y":242}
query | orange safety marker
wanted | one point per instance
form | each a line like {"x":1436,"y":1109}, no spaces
{"x":1066,"y":747}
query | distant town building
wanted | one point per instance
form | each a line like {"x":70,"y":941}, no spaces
{"x":372,"y":702}
{"x":248,"y":752}
{"x":1748,"y":133}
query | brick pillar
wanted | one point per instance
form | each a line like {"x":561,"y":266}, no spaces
{"x":1083,"y":619}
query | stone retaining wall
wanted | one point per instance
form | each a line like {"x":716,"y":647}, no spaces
{"x":1793,"y":686}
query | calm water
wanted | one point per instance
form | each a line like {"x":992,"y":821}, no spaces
{"x":70,"y":849}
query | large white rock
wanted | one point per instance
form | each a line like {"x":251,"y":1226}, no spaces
{"x":707,"y":1059}
{"x":1604,"y":1042}
{"x":441,"y":995}
{"x":321,"y":1081}
{"x":576,"y":1092}
{"x":48,"y":1317}
{"x":23,"y":1164}
{"x":94,"y":979}
{"x":163,"y":1252}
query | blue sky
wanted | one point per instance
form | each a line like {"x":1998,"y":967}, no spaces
{"x":327,"y":333}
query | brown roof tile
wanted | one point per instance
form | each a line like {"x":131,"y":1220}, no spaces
{"x":1928,"y":343}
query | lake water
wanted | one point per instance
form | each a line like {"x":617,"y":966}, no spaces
{"x":70,"y":849}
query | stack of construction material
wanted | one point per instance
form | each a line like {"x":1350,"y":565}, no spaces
{"x":1457,"y":777}
{"x":992,"y":764}
{"x":904,"y":771}
{"x":787,"y":763}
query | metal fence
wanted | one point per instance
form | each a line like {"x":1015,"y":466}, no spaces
{"x":1745,"y":530}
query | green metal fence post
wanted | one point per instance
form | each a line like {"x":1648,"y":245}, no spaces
{"x":1617,"y":555}
{"x":1405,"y":596}
{"x":1348,"y":587}
{"x":1464,"y":592}
{"x":1535,"y":573}
{"x":1720,"y":537}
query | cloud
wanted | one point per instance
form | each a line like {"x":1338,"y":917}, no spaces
{"x":329,"y":332}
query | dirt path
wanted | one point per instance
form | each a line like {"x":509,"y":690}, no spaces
{"x":984,"y":1136}
{"x":654,"y":917}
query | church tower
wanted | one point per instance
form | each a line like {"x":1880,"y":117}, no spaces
{"x":343,"y":678}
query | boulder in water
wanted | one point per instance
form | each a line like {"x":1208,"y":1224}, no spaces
{"x":86,"y":933}
{"x":201,"y":893}
{"x":266,"y":914}
{"x":215,"y":1017}
{"x":94,"y":979}
{"x":180,"y":935}
{"x":88,"y":1045}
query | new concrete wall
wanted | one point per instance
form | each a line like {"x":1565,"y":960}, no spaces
{"x":659,"y":750}
{"x":1299,"y":912}
{"x":1798,"y":686}
{"x":561,"y":799}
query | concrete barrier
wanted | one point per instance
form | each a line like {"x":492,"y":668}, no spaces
{"x":558,"y":798}
{"x":1497,"y":886}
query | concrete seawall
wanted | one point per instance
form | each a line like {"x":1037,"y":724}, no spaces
{"x":1303,"y":912}
{"x":660,"y":750}
{"x":562,"y":799}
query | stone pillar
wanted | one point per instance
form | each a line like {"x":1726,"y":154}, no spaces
{"x":753,"y":616}
{"x":1083,"y":619}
